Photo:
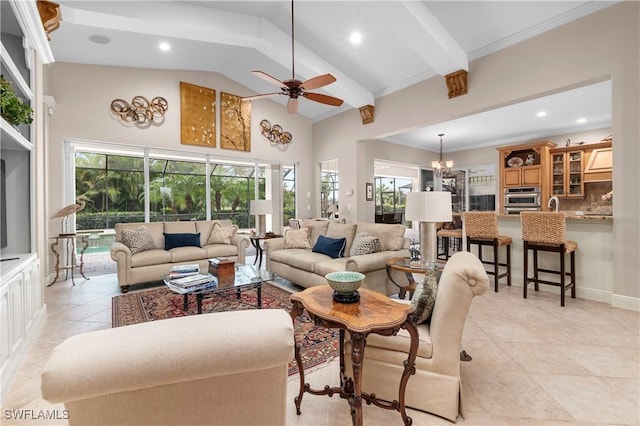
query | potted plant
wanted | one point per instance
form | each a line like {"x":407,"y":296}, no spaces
{"x":12,"y":108}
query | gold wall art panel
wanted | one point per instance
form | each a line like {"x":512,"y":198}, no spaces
{"x":235,"y":123}
{"x":197,"y":115}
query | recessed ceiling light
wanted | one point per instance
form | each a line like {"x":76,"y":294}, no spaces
{"x":541,"y":114}
{"x":164,"y":47}
{"x":100,"y":39}
{"x":581,"y":120}
{"x":355,"y":38}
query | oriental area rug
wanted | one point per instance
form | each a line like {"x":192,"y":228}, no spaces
{"x":320,"y":344}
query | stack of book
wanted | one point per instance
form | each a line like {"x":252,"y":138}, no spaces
{"x":194,"y":280}
{"x":180,"y":271}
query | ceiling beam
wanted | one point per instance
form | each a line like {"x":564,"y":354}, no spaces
{"x":438,"y":47}
{"x":220,"y":27}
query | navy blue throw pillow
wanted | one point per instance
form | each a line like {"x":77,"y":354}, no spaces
{"x":181,"y":240}
{"x":333,"y":247}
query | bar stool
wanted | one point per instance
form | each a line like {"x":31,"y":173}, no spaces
{"x":547,"y":231}
{"x":482,"y":229}
{"x":446,"y":234}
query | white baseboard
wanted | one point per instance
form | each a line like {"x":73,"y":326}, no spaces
{"x":625,"y":302}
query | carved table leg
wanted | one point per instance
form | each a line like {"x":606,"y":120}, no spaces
{"x":54,"y":249}
{"x":71,"y":258}
{"x":296,"y":310}
{"x":85,"y":244}
{"x":409,"y":368}
{"x":358,"y":341}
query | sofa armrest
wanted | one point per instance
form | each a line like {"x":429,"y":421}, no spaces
{"x":271,"y":245}
{"x":121,"y":254}
{"x":372,"y":262}
{"x":242,"y":243}
{"x":226,"y":343}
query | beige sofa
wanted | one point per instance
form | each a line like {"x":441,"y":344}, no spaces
{"x":307,"y":268}
{"x":436,"y":386}
{"x":150,"y":265}
{"x":227,"y":368}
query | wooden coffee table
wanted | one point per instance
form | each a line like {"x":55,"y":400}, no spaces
{"x":374,"y":313}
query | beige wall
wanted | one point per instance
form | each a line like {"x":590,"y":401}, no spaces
{"x":601,"y":46}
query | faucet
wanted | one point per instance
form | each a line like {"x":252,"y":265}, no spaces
{"x":554,"y":198}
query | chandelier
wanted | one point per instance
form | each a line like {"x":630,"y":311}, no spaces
{"x":441,"y":167}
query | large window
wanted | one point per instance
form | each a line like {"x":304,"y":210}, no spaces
{"x":115,"y":184}
{"x":330,"y":188}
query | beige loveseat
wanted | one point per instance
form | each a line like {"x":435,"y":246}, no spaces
{"x":150,"y":265}
{"x":307,"y":268}
{"x":225,"y":368}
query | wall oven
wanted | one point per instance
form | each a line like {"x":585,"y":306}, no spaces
{"x":526,"y":198}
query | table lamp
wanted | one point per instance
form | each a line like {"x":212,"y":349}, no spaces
{"x":428,"y":208}
{"x":261,"y":208}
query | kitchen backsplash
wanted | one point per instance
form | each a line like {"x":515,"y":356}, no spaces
{"x":592,"y":202}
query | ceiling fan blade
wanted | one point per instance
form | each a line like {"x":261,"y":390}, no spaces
{"x":264,"y":95}
{"x":292,"y":106}
{"x":323,"y":99}
{"x":270,"y":79}
{"x":319,"y":81}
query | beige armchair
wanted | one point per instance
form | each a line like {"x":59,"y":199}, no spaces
{"x":227,"y":368}
{"x":436,"y":386}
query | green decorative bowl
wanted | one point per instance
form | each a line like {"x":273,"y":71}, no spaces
{"x":345,"y":285}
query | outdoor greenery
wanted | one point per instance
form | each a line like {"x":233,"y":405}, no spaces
{"x":177,"y":191}
{"x":12,"y":108}
{"x":391,"y":194}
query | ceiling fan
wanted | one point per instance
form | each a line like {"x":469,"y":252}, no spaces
{"x":294,"y":88}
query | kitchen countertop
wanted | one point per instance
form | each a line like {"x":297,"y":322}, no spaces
{"x":570,"y":215}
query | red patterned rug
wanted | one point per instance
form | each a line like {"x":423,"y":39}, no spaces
{"x":320,"y":344}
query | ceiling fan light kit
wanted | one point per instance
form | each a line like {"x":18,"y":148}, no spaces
{"x":295,"y":88}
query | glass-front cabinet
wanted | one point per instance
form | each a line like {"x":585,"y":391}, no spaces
{"x":567,"y":179}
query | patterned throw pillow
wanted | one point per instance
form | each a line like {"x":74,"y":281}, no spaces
{"x":365,"y":243}
{"x":297,"y":238}
{"x":220,"y":234}
{"x":137,"y":239}
{"x":424,"y":298}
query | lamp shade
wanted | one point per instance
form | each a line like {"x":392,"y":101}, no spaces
{"x":430,"y":206}
{"x":260,"y":207}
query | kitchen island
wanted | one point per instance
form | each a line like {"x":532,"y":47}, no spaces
{"x":594,"y":257}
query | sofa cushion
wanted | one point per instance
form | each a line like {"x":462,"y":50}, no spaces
{"x":150,"y":258}
{"x":333,"y":247}
{"x":365,"y":243}
{"x":424,"y":297}
{"x":391,"y":236}
{"x":323,"y":267}
{"x":303,"y":259}
{"x":187,"y":254}
{"x":317,"y":227}
{"x":138,"y":240}
{"x":342,"y":230}
{"x":221,"y":250}
{"x":220,"y":234}
{"x":181,"y":240}
{"x":297,"y":238}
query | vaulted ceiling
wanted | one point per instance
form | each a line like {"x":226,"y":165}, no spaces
{"x":403,"y":42}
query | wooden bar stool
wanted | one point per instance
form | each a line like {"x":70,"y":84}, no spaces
{"x":446,"y":235}
{"x":547,"y":231}
{"x":482,"y":229}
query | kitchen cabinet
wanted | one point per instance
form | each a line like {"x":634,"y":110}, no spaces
{"x":567,"y":180}
{"x":598,"y":162}
{"x":525,"y":165}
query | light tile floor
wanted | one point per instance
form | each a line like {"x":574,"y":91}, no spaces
{"x":534,"y":363}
